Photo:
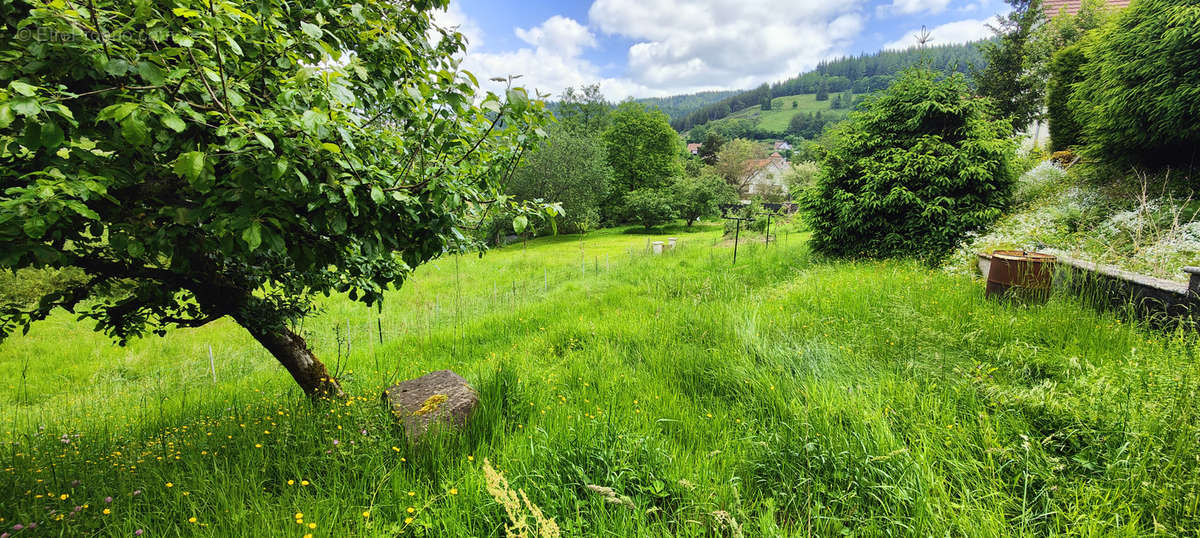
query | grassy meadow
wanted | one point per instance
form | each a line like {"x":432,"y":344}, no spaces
{"x":780,"y":116}
{"x":786,"y":396}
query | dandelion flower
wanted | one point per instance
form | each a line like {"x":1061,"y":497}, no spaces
{"x":454,"y":491}
{"x":367,"y":514}
{"x":304,"y":482}
{"x":192,"y":519}
{"x":299,"y":515}
{"x":291,"y":482}
{"x":411,"y":510}
{"x":63,"y":497}
{"x":408,"y":520}
{"x":312,"y":525}
{"x":170,"y":485}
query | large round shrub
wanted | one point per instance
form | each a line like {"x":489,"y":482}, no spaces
{"x":1139,"y":97}
{"x":913,"y":171}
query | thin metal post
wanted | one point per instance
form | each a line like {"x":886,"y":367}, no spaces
{"x":736,"y":234}
{"x":768,"y":238}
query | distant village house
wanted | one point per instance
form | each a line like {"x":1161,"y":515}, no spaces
{"x":765,"y":177}
{"x":694,"y":149}
{"x":782,"y":145}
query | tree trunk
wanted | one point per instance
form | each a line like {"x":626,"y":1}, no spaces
{"x":292,"y":352}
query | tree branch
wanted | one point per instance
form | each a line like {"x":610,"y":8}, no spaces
{"x":99,"y":31}
{"x":191,"y":323}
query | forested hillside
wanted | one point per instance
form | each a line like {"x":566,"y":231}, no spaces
{"x":679,"y":106}
{"x":862,"y":74}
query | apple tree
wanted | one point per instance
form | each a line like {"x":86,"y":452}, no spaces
{"x":198,"y":159}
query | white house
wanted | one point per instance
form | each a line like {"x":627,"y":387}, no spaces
{"x":765,"y":177}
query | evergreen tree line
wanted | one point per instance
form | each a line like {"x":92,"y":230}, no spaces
{"x":862,"y":74}
{"x":678,"y":106}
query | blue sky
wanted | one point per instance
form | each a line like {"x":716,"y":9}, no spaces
{"x":643,"y":48}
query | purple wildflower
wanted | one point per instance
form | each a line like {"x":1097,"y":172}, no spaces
{"x":336,"y":442}
{"x":18,"y":527}
{"x":108,"y":500}
{"x":137,"y":532}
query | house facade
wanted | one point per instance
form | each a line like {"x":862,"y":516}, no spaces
{"x":765,"y":177}
{"x":694,"y":149}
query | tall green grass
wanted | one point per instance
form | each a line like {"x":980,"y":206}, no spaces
{"x":786,"y":396}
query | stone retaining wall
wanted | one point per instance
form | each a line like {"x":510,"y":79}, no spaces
{"x":1107,"y":286}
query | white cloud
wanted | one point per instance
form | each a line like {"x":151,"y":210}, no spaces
{"x":678,"y":46}
{"x":725,"y":43}
{"x":454,"y":17}
{"x":952,"y":32}
{"x":911,"y":7}
{"x":560,"y":35}
{"x":551,"y":63}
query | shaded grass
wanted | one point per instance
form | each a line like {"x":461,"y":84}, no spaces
{"x":795,"y":395}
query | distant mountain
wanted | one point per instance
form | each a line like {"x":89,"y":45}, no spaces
{"x":862,"y":74}
{"x":679,"y":106}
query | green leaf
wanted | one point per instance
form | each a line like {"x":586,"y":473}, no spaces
{"x":151,"y":73}
{"x":25,"y":106}
{"x":52,"y":135}
{"x":134,"y":130}
{"x":520,"y":223}
{"x":116,"y":112}
{"x":6,"y":115}
{"x":311,"y":120}
{"x":116,"y":68}
{"x":183,"y":40}
{"x":185,"y":12}
{"x":35,"y":226}
{"x":330,"y":147}
{"x":83,"y":210}
{"x":174,"y":123}
{"x":377,"y":195}
{"x":190,"y":165}
{"x":253,"y":235}
{"x":264,"y":140}
{"x":22,"y":88}
{"x":311,"y":30}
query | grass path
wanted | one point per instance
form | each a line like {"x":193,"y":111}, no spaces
{"x":787,"y":396}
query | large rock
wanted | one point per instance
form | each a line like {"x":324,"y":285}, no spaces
{"x":442,"y":396}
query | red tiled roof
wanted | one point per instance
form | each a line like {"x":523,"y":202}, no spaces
{"x":755,"y":165}
{"x":1054,"y":7}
